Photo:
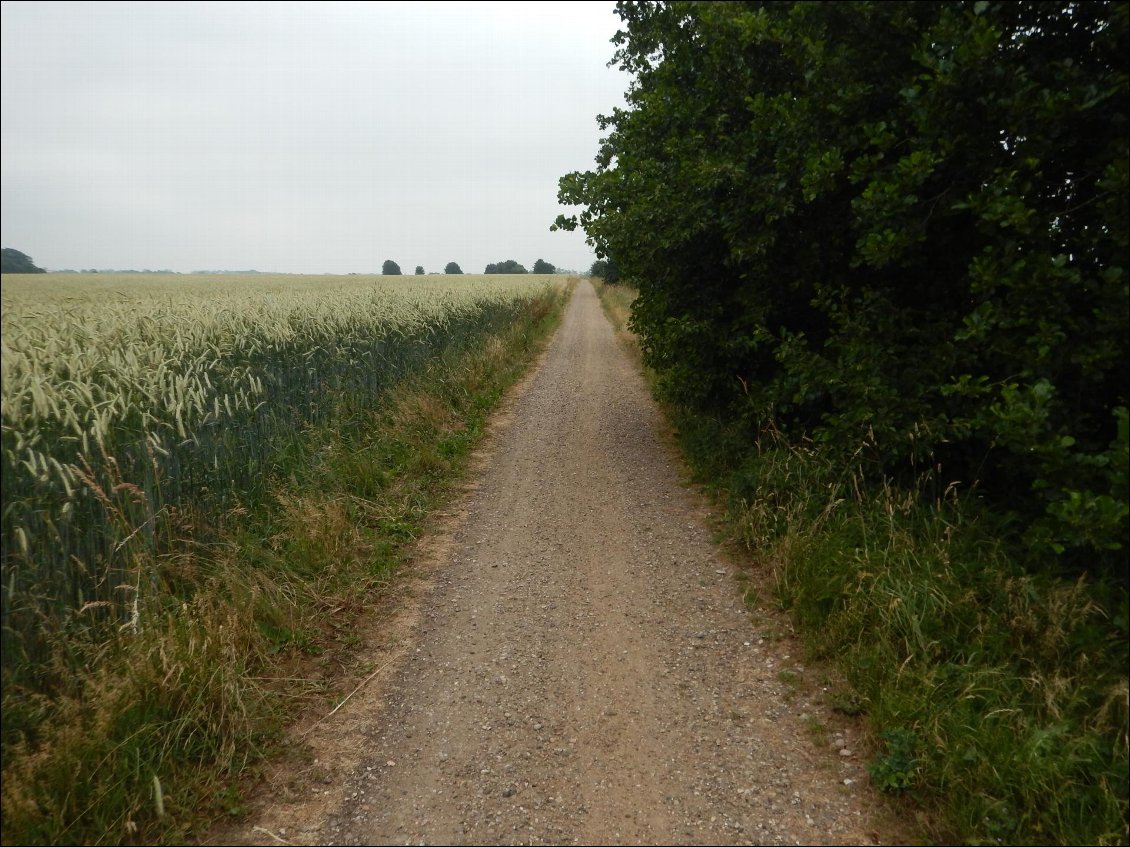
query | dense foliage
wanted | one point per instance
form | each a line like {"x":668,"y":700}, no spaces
{"x":15,"y":262}
{"x":541,"y":266}
{"x":897,"y":228}
{"x":452,"y":268}
{"x":606,"y":270}
{"x":390,"y":268}
{"x":508,"y":267}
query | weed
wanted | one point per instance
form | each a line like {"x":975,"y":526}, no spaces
{"x":847,"y":703}
{"x":817,"y":730}
{"x":898,"y":769}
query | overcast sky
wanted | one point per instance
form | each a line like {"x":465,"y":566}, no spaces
{"x":298,"y":137}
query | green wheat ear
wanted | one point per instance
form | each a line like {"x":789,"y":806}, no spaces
{"x":158,"y":796}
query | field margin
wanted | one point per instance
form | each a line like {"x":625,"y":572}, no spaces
{"x":170,"y":729}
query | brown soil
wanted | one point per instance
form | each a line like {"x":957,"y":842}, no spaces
{"x":570,"y":661}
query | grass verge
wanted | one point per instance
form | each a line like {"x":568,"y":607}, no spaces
{"x":616,"y":300}
{"x":148,"y":741}
{"x":997,"y":693}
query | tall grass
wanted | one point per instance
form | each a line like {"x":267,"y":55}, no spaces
{"x":140,"y":636}
{"x":999,"y":695}
{"x":617,"y":299}
{"x":996,"y":691}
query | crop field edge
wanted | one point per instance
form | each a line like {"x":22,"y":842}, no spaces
{"x":168,"y":728}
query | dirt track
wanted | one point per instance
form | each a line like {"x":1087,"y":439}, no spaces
{"x":575,"y":664}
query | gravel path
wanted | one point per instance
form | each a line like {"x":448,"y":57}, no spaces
{"x":578,"y":666}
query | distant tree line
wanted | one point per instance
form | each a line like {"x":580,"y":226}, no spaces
{"x":15,"y":262}
{"x":512,"y":267}
{"x":508,"y":267}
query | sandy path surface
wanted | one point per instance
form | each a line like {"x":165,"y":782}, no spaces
{"x":576,"y":665}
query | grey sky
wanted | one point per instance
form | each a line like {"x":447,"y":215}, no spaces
{"x":306,"y":138}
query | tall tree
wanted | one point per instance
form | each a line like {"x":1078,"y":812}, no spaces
{"x":452,"y":268}
{"x":390,"y":268}
{"x":894,"y":223}
{"x":419,"y":270}
{"x":15,"y":262}
{"x":543,"y":267}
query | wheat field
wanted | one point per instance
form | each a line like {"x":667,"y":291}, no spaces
{"x":132,"y":401}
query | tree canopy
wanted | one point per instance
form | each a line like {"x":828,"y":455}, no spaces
{"x":897,"y":228}
{"x":15,"y":262}
{"x":543,"y":267}
{"x":419,"y":270}
{"x":452,"y":268}
{"x":390,"y":268}
{"x":507,"y":267}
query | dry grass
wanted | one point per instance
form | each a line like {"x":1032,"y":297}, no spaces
{"x":616,"y":301}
